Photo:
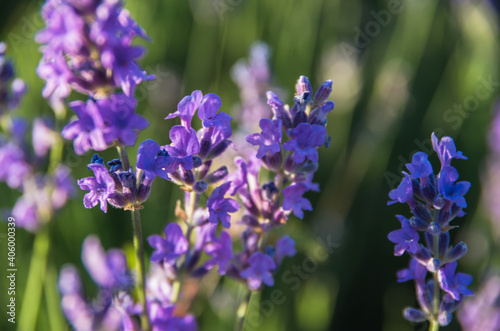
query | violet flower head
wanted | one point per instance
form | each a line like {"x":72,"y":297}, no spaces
{"x":186,"y":108}
{"x":13,"y":166}
{"x":452,"y":192}
{"x":101,"y":187}
{"x":259,"y":271}
{"x":269,"y":139}
{"x":122,"y":123}
{"x":88,"y":130}
{"x":434,"y":200}
{"x":403,"y":193}
{"x":446,"y":150}
{"x":168,"y":249}
{"x":209,"y":107}
{"x":454,"y":284}
{"x":406,"y":238}
{"x":221,"y":251}
{"x":153,"y":160}
{"x":108,"y":269}
{"x":306,"y":138}
{"x":184,"y":145}
{"x":220,"y":207}
{"x":420,"y":165}
{"x":293,"y":199}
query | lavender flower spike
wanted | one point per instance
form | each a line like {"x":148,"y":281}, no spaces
{"x":435,"y":201}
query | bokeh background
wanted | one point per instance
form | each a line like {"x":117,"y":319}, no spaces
{"x":400,"y":69}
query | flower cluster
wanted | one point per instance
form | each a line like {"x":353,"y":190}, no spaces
{"x":114,"y":307}
{"x":23,"y":162}
{"x":435,"y":201}
{"x":287,"y":149}
{"x":87,"y":46}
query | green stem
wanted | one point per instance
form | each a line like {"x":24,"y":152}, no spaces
{"x":36,"y":277}
{"x":56,"y":320}
{"x":140,"y":267}
{"x":434,"y":326}
{"x":123,"y":157}
{"x":242,"y":310}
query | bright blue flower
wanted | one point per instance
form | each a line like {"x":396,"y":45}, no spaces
{"x":151,"y":159}
{"x":420,"y":165}
{"x":269,"y":139}
{"x":404,"y":192}
{"x":454,"y":284}
{"x":451,"y":191}
{"x":406,"y":238}
{"x":446,"y":150}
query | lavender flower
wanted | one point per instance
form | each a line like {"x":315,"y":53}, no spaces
{"x":306,"y":138}
{"x":101,"y":187}
{"x":153,"y":160}
{"x":170,"y":248}
{"x":259,"y":271}
{"x":221,"y":251}
{"x":434,"y":200}
{"x":293,"y":199}
{"x":220,"y":207}
{"x":269,"y":139}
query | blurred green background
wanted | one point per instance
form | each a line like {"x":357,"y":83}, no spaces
{"x":400,"y":69}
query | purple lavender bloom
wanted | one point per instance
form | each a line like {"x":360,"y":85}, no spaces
{"x":259,"y":271}
{"x":238,"y":178}
{"x":158,"y":287}
{"x":219,"y":207}
{"x":152,"y":159}
{"x":121,"y":60}
{"x":293,"y":199}
{"x":162,"y":319}
{"x":269,"y":139}
{"x":404,"y":192}
{"x":406,"y":238}
{"x":209,"y":107}
{"x":101,"y":187}
{"x":87,"y":131}
{"x":446,"y":150}
{"x":454,"y":284}
{"x":416,"y":271}
{"x":64,"y":31}
{"x":221,"y":251}
{"x":306,"y":138}
{"x":13,"y":166}
{"x":57,"y":76}
{"x":169,"y":249}
{"x":122,"y":123}
{"x":186,"y":108}
{"x":25,"y":213}
{"x":107,"y":269}
{"x":44,"y":137}
{"x":420,"y":165}
{"x":184,"y":145}
{"x":285,"y":246}
{"x":451,"y":191}
{"x":482,"y":312}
